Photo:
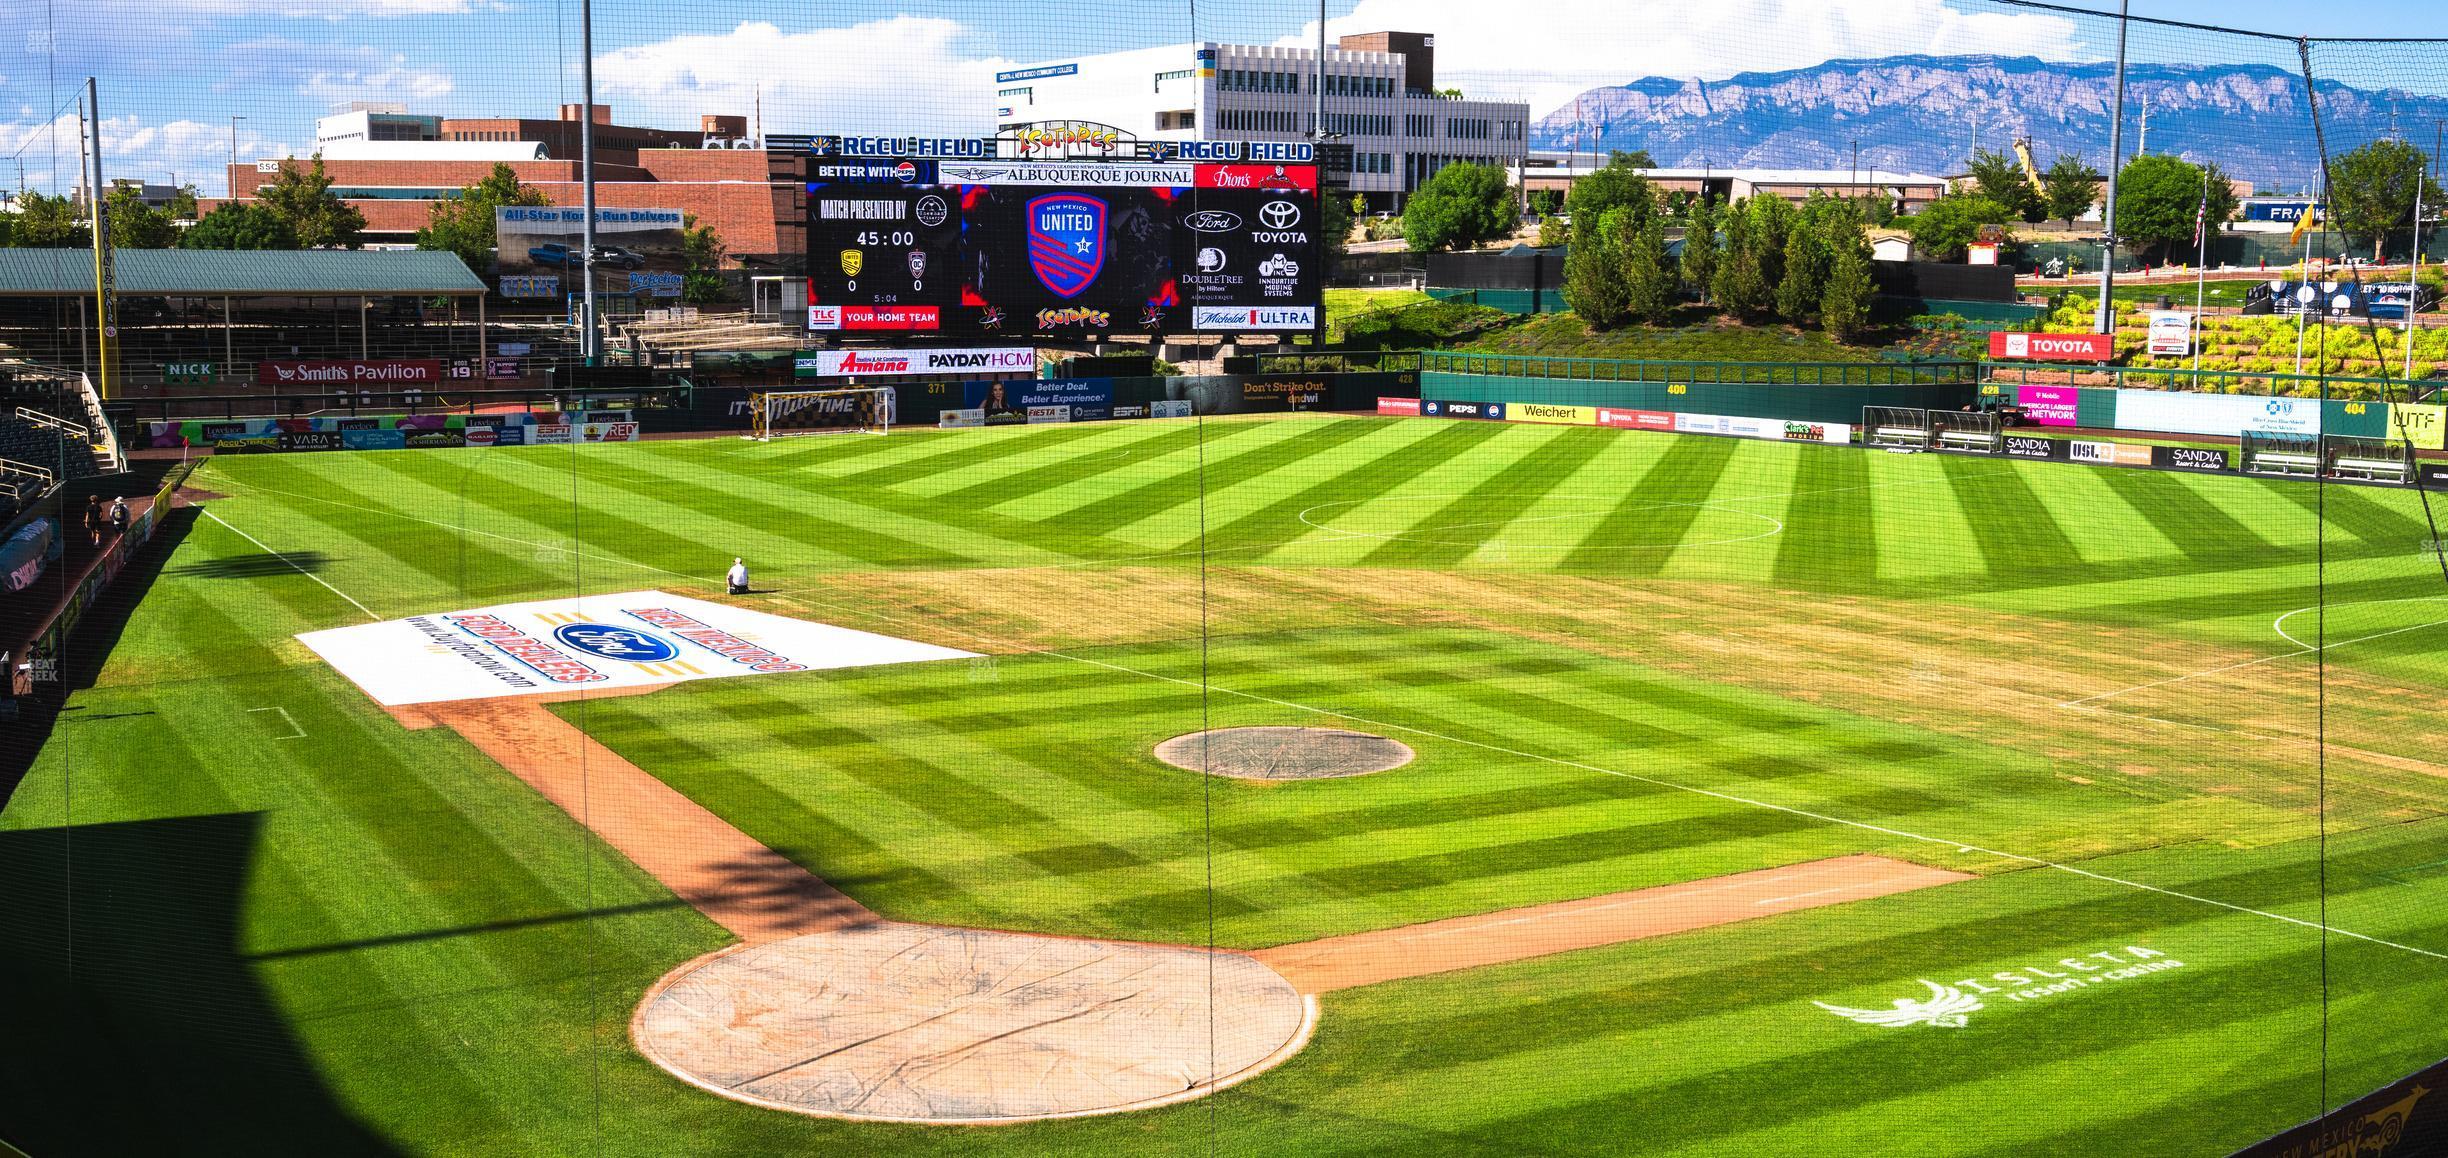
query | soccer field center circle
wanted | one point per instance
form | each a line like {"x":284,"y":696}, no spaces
{"x":1284,"y":753}
{"x":894,"y":1022}
{"x":1688,"y":524}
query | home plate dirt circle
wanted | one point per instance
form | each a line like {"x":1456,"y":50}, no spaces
{"x":1279,"y":753}
{"x":915,"y":1023}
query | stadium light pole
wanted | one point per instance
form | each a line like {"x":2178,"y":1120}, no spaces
{"x":2104,"y":320}
{"x":586,"y":173}
{"x":234,"y":119}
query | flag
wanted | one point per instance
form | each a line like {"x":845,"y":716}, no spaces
{"x":2201,"y":215}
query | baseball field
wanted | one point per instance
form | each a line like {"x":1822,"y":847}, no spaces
{"x":1761,"y":798}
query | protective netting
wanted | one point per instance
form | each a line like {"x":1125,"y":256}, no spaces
{"x":1272,"y":690}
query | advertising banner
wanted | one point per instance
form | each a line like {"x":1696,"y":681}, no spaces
{"x":24,"y":554}
{"x":1438,"y":409}
{"x":1636,"y":419}
{"x":2418,"y":423}
{"x":905,"y":363}
{"x":626,"y":640}
{"x":955,"y":419}
{"x":2052,"y":347}
{"x":1045,"y":414}
{"x":1553,"y":415}
{"x":2109,"y":453}
{"x":2171,"y":333}
{"x":1003,"y":403}
{"x":342,"y":372}
{"x":2229,"y":415}
{"x":2034,"y":446}
{"x":2407,"y":1118}
{"x":2189,"y":458}
{"x":638,"y":252}
{"x":373,"y":440}
{"x":1170,"y":408}
{"x":2049,"y":405}
{"x":1409,"y":406}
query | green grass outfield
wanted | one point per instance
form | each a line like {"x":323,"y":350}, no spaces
{"x":1625,"y":659}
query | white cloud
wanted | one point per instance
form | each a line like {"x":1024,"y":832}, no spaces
{"x":134,"y":149}
{"x":905,"y":73}
{"x":315,"y":9}
{"x":1570,"y":46}
{"x":397,"y":82}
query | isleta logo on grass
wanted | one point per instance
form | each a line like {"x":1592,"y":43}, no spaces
{"x":1950,"y":1006}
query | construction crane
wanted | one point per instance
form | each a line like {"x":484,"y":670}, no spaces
{"x":2031,"y":172}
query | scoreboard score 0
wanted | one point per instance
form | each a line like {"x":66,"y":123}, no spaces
{"x":1026,"y":247}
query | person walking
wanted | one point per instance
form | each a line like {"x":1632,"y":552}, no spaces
{"x":93,"y":520}
{"x":738,"y":579}
{"x":119,"y":516}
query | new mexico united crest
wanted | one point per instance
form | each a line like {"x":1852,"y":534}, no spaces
{"x":1066,"y":236}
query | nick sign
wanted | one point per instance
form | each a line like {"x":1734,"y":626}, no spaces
{"x":2053,"y":347}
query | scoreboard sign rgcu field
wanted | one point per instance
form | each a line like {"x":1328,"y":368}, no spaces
{"x":994,"y":246}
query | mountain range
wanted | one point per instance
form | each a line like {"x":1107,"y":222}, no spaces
{"x":1923,"y":114}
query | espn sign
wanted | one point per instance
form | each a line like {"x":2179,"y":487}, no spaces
{"x":2053,"y":347}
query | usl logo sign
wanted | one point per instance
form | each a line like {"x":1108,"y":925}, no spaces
{"x":2053,"y":347}
{"x":1066,"y":238}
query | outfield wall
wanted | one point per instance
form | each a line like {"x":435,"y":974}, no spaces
{"x":1803,"y":402}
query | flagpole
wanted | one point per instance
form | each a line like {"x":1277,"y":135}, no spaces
{"x":2414,"y":270}
{"x":2201,"y":268}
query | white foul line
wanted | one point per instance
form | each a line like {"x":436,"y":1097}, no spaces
{"x":300,"y":733}
{"x":293,"y":565}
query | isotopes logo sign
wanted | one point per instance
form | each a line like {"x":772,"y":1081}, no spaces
{"x":2053,"y":347}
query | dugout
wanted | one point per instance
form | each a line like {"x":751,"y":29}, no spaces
{"x":206,"y":317}
{"x":1896,"y":427}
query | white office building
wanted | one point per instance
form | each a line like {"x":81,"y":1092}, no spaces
{"x":1381,"y":101}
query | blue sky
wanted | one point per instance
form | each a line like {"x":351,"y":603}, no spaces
{"x":867,"y":65}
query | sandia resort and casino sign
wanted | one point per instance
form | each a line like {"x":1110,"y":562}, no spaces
{"x":1950,"y":1005}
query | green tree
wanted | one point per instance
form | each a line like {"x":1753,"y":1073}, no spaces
{"x":1999,"y":177}
{"x":464,"y":224}
{"x":183,"y":203}
{"x":1617,"y":184}
{"x":1650,"y":279}
{"x":1740,"y":285}
{"x":239,"y":225}
{"x":1594,"y":283}
{"x":1335,"y":221}
{"x":2070,"y":187}
{"x":1844,"y":305}
{"x":2157,"y":197}
{"x":44,"y":222}
{"x":701,"y":255}
{"x":1773,"y":220}
{"x":134,"y":224}
{"x":1947,"y":227}
{"x":1804,"y":277}
{"x":1460,"y":205}
{"x":1631,"y":159}
{"x":2372,"y":190}
{"x":1543,"y":201}
{"x":1700,"y":252}
{"x":303,"y":198}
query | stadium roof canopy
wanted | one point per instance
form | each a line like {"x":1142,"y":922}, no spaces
{"x":212,"y":273}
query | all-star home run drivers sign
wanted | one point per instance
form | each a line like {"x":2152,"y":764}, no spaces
{"x":594,"y":642}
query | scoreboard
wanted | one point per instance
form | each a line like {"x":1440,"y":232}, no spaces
{"x":899,"y":246}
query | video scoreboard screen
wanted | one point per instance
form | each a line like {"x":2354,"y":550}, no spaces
{"x":1061,"y":248}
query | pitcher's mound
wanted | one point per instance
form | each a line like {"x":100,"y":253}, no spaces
{"x":913,"y":1023}
{"x":1283,"y":753}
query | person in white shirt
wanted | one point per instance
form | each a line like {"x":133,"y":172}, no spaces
{"x":739,"y":577}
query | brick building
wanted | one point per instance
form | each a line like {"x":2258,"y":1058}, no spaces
{"x":750,"y":198}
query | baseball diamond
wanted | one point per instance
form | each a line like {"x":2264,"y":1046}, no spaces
{"x":1779,"y":792}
